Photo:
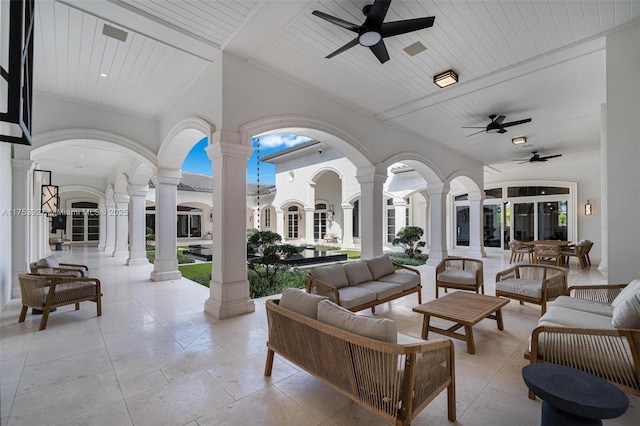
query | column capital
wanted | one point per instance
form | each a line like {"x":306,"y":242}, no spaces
{"x":138,"y":190}
{"x":346,"y":206}
{"x":168,"y":176}
{"x":110,"y":203}
{"x":121,"y":197}
{"x":438,"y":188}
{"x":228,"y":149}
{"x":309,"y":209}
{"x":400,"y":202}
{"x":475,"y":196}
{"x":19,"y":164}
{"x":371,"y":174}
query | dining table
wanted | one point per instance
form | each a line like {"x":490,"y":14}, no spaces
{"x":561,"y":244}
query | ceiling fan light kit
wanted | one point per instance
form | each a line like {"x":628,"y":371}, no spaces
{"x":445,"y":79}
{"x":519,"y":140}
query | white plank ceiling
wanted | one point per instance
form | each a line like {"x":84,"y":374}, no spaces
{"x":543,"y":60}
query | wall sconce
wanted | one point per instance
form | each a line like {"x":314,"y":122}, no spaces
{"x":588,"y":209}
{"x":49,"y":198}
{"x":330,"y":212}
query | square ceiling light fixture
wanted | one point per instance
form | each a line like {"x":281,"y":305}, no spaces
{"x":445,"y":79}
{"x":519,"y":140}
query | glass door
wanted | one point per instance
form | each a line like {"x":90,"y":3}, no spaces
{"x":523,"y":221}
{"x":462,"y":225}
{"x":492,"y":229}
{"x":552,"y":220}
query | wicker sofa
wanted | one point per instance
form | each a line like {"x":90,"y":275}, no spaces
{"x":394,"y":378}
{"x":596,"y":330}
{"x":365,"y":283}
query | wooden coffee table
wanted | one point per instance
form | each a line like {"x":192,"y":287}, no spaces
{"x":463,"y":308}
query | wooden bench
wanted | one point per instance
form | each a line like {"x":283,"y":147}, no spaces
{"x":393,"y":380}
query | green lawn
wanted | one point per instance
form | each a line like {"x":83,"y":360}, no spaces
{"x":190,"y":271}
{"x":351,"y":254}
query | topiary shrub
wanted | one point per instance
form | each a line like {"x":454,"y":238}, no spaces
{"x":405,"y":259}
{"x":409,"y":239}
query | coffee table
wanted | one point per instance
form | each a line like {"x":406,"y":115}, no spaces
{"x":463,"y":308}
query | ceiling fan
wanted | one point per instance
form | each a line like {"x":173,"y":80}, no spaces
{"x":536,"y":158}
{"x":374,"y":29}
{"x":497,"y":125}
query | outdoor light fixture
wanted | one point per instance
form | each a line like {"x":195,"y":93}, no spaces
{"x":519,"y":140}
{"x":445,"y":79}
{"x":49,"y":198}
{"x":588,"y":210}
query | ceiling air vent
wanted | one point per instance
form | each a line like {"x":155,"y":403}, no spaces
{"x":415,"y":48}
{"x":114,"y":32}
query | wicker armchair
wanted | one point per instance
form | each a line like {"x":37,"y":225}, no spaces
{"x":580,"y":252}
{"x":45,"y":292}
{"x":73,"y":269}
{"x":518,"y":251}
{"x":545,"y":253}
{"x":536,"y":284}
{"x":610,"y":353}
{"x":460,"y":273}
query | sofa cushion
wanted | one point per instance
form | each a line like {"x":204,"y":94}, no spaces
{"x":407,"y":280}
{"x":333,"y":275}
{"x":557,"y":315}
{"x":626,"y":291}
{"x":376,"y":328}
{"x":382,"y":289}
{"x":584,"y":305}
{"x":50,"y":262}
{"x":380,"y":266}
{"x":354,"y":296}
{"x":358,"y":272}
{"x":457,"y":276}
{"x":521,"y":286}
{"x":627,"y":313}
{"x":301,"y":302}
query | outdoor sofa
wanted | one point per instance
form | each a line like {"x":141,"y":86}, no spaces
{"x":365,"y":283}
{"x":393,"y":375}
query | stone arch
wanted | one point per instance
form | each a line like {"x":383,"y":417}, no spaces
{"x":82,"y":188}
{"x":350,"y":147}
{"x":180,"y":139}
{"x":423,"y":166}
{"x":323,"y":170}
{"x":140,"y":174}
{"x":468,"y":182}
{"x":122,"y":184}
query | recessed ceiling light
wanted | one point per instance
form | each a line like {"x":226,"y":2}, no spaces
{"x":519,"y":140}
{"x":415,"y":48}
{"x":445,"y":79}
{"x":102,"y":74}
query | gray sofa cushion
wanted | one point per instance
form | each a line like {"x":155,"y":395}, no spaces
{"x":380,"y":266}
{"x":557,"y":315}
{"x":301,"y":302}
{"x":333,"y":275}
{"x":49,"y":261}
{"x":408,"y":280}
{"x":376,"y":328}
{"x":357,"y":272}
{"x":627,"y":313}
{"x":584,"y":305}
{"x":382,"y":289}
{"x":627,"y":291}
{"x":457,"y":276}
{"x":521,"y":286}
{"x":354,"y":296}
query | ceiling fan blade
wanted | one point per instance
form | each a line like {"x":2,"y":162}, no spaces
{"x":376,"y":14}
{"x":502,"y":131}
{"x":478,"y":127}
{"x":481,"y":131}
{"x":523,"y":162}
{"x":515,"y":123}
{"x":390,"y":29}
{"x":500,"y":119}
{"x":343,"y":48}
{"x":337,"y":21}
{"x":380,"y":50}
{"x":546,"y":157}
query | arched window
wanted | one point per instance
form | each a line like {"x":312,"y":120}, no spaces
{"x":267,"y":217}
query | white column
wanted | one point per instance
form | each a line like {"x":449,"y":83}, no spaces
{"x":604,"y":205}
{"x":165,"y":266}
{"x":308,"y":225}
{"x":476,"y":228}
{"x":280,"y":223}
{"x":256,"y":219}
{"x":229,"y":287}
{"x":102,"y":236}
{"x":371,"y":180}
{"x":138,"y":252}
{"x":400,"y":207}
{"x":110,"y":220}
{"x":438,"y":221}
{"x":623,"y":154}
{"x":121,"y":212}
{"x":347,"y":225}
{"x":21,"y":194}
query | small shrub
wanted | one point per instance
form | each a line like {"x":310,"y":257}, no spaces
{"x":260,"y":287}
{"x":326,"y":248}
{"x":185,"y":259}
{"x":202,"y":279}
{"x":151,"y":256}
{"x":405,"y":259}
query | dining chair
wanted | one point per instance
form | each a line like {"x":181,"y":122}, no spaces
{"x":547,"y":253}
{"x":518,"y":251}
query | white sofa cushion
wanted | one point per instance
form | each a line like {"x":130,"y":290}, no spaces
{"x":407,"y":280}
{"x":627,"y":291}
{"x":584,"y":305}
{"x":358,"y":272}
{"x":382,"y":289}
{"x":557,"y":315}
{"x":380,"y":266}
{"x":354,"y":296}
{"x":521,"y":286}
{"x":376,"y":328}
{"x":333,"y":275}
{"x":301,"y":302}
{"x":627,"y":313}
{"x":457,"y":276}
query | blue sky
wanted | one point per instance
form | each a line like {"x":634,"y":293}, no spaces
{"x":198,"y":162}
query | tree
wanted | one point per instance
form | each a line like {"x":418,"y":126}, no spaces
{"x":272,"y":254}
{"x":409,"y":239}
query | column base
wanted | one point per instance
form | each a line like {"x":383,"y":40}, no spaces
{"x":138,"y":261}
{"x":165,"y":276}
{"x":120,"y":253}
{"x":109,"y":249}
{"x":435,"y":257}
{"x":229,"y":300}
{"x":477,"y":254}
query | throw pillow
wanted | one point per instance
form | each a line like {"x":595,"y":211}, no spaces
{"x":301,"y":302}
{"x":627,"y":313}
{"x":376,"y":328}
{"x":333,"y":275}
{"x":50,"y":262}
{"x":627,"y":291}
{"x":358,"y":272}
{"x":380,"y":266}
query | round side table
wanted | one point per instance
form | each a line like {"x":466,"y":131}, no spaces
{"x":573,"y":397}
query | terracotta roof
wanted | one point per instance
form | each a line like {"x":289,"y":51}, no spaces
{"x":203,"y":183}
{"x":295,"y":148}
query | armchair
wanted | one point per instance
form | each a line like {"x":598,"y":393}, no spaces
{"x":50,"y":265}
{"x":460,"y":273}
{"x":536,"y":284}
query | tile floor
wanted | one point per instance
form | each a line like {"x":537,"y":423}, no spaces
{"x":155,"y":358}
